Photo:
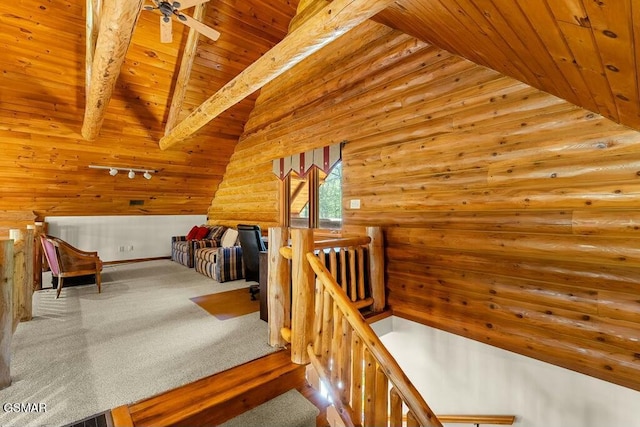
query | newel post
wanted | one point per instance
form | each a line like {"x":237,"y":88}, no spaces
{"x":29,"y":256}
{"x":6,"y":310}
{"x":303,"y":283}
{"x":19,"y":278}
{"x":279,"y":286}
{"x":376,"y":266}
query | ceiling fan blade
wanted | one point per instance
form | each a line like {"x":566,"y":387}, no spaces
{"x":201,"y":28}
{"x":166,"y":30}
{"x":186,"y":4}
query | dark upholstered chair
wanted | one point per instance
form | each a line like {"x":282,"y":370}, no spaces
{"x":66,"y":261}
{"x":251,"y":242}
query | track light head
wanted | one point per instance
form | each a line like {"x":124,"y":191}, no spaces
{"x":132,"y":174}
{"x":147,"y":175}
{"x":113,"y":171}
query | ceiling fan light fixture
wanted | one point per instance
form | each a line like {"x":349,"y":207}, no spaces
{"x":182,"y":18}
{"x":166,"y":18}
{"x":131,"y":174}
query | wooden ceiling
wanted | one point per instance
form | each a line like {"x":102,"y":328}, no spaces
{"x":44,"y":162}
{"x":584,"y":51}
{"x":580,"y":50}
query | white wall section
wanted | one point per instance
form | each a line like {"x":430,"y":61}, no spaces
{"x":119,"y":238}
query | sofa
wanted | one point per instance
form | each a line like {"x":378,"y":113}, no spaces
{"x":221,"y":264}
{"x":205,"y":236}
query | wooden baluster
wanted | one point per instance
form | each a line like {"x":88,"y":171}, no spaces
{"x":361,"y":292}
{"x":376,"y":268}
{"x":345,"y":360}
{"x":343,"y":270}
{"x":37,"y":256}
{"x":19,"y":278}
{"x":27,"y":308}
{"x":352,"y":273}
{"x":333,"y":263}
{"x":279,"y":288}
{"x":6,"y":310}
{"x":395,"y":409}
{"x":381,"y":401}
{"x":411,"y":420}
{"x":303,"y":283}
{"x":357,"y":359}
{"x":369,"y":388}
{"x":327,"y":327}
{"x":336,"y":350}
{"x":319,"y":309}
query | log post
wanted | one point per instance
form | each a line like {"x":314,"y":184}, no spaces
{"x":303,"y":283}
{"x":6,"y":310}
{"x":29,"y":244}
{"x":376,"y":266}
{"x":279,"y":286}
{"x":19,"y":278}
{"x":39,"y":263}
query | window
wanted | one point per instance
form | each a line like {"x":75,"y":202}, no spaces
{"x":314,"y":201}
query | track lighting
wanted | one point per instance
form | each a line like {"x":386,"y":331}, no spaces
{"x":113,"y":171}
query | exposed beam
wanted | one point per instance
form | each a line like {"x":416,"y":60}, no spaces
{"x":327,"y":25}
{"x":94,"y":7}
{"x":186,"y":64}
{"x":117,"y":21}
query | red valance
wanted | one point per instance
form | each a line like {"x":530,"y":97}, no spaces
{"x":324,"y":158}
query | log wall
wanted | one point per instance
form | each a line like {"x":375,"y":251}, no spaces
{"x":509,"y":214}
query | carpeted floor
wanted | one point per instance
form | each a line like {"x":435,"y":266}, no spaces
{"x":87,"y":352}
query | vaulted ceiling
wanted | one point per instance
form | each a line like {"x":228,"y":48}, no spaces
{"x":581,"y":50}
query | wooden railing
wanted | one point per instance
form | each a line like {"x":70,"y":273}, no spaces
{"x":356,"y":367}
{"x":356,"y":262}
{"x":16,"y":291}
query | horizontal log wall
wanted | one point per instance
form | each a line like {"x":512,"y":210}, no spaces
{"x":509,"y":214}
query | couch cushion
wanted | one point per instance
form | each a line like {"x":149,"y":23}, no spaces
{"x":229,"y":238}
{"x":216,"y":233}
{"x":192,"y":233}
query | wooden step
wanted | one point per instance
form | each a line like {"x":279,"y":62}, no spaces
{"x":217,"y":398}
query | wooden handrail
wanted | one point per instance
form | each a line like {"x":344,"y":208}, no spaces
{"x":342,"y":242}
{"x":478,"y":419}
{"x":409,"y":394}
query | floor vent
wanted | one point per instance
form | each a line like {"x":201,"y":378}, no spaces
{"x":136,"y":202}
{"x":99,"y":420}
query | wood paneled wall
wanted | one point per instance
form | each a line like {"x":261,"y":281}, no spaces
{"x":510,"y":215}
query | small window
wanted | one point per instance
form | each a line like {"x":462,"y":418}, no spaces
{"x":316,"y":200}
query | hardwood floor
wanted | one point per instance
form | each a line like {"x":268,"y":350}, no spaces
{"x":220,"y":397}
{"x":227,"y":305}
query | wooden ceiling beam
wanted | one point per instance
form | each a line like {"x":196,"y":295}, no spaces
{"x":117,"y":22}
{"x":327,"y":25}
{"x":186,"y":64}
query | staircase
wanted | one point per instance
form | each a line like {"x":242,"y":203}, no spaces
{"x":221,"y":397}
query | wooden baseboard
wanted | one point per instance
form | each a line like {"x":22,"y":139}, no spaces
{"x":124,"y":261}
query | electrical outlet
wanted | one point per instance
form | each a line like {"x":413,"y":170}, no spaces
{"x":130,"y":248}
{"x":121,"y":249}
{"x":354,"y":203}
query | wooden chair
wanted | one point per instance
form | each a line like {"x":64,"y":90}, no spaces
{"x":66,"y":261}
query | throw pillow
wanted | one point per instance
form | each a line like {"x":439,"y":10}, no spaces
{"x":216,"y":234}
{"x":201,"y":233}
{"x":229,"y":238}
{"x":192,"y":233}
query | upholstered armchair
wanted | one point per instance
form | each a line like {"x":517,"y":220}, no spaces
{"x":67,"y":261}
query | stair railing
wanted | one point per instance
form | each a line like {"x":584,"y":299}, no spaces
{"x":356,"y":367}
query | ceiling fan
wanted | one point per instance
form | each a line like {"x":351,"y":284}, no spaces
{"x":173,"y":9}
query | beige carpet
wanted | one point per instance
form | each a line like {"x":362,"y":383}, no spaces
{"x":88,"y":352}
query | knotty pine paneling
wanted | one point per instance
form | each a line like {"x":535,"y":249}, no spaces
{"x":510,"y":215}
{"x":44,"y":162}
